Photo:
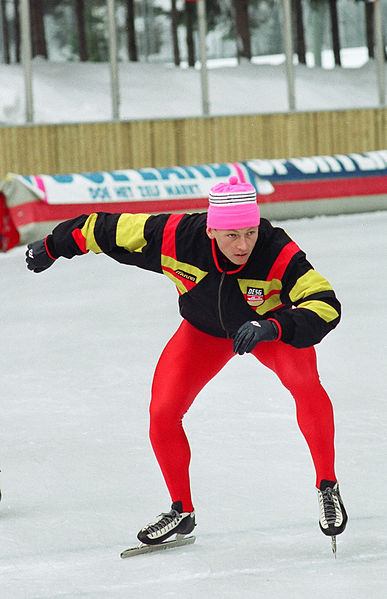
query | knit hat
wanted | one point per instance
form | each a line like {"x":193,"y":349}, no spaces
{"x":233,"y":205}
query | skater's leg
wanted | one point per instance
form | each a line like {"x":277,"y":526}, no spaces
{"x":190,"y":359}
{"x":297,"y":370}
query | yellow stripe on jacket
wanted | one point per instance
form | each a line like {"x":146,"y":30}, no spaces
{"x":309,"y":284}
{"x":88,"y":233}
{"x":130,"y":232}
{"x":322,"y":309}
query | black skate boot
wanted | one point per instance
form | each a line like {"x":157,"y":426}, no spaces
{"x":333,"y":517}
{"x":174,"y":522}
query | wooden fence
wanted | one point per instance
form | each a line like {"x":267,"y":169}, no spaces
{"x":90,"y":147}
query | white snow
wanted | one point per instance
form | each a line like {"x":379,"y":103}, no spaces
{"x":79,"y":478}
{"x":73,"y":92}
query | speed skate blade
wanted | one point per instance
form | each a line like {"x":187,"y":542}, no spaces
{"x":179,"y":541}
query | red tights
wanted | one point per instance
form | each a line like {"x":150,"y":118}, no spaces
{"x":191,"y":359}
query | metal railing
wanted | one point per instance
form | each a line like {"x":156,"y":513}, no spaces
{"x":201,"y":7}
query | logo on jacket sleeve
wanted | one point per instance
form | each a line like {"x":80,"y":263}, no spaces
{"x":255,"y":296}
{"x":186,"y":275}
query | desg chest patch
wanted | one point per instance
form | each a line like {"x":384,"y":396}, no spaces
{"x":255,"y":296}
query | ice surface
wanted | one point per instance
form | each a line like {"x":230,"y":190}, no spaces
{"x":79,"y":479}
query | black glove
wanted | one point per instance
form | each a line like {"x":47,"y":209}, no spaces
{"x":37,"y":257}
{"x":251,"y":333}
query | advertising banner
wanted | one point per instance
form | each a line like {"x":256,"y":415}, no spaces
{"x":286,"y":188}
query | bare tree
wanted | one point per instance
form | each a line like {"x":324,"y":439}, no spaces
{"x":175,"y":40}
{"x":81,"y":30}
{"x":130,"y":26}
{"x":299,"y":34}
{"x":39,"y":44}
{"x":17,"y":31}
{"x":241,"y":8}
{"x":335,"y":31}
{"x":190,"y":8}
{"x":369,"y":18}
{"x":4,"y":21}
{"x":370,"y":30}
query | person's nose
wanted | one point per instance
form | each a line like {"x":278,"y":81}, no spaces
{"x":242,"y":244}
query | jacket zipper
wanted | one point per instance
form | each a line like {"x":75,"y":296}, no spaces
{"x":219,"y":303}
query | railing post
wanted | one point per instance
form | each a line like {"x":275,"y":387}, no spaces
{"x":113,"y":55}
{"x":203,"y":56}
{"x":26,"y":59}
{"x":288,"y":43}
{"x":379,"y":52}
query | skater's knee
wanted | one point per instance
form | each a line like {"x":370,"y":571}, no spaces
{"x":296,"y":382}
{"x":298,"y":379}
{"x":163,"y":417}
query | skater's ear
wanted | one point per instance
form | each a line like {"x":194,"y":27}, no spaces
{"x":210,"y":232}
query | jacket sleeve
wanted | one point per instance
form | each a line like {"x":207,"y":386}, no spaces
{"x":315,"y":309}
{"x":133,"y":239}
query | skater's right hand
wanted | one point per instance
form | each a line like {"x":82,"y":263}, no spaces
{"x":253,"y":332}
{"x":38,"y":257}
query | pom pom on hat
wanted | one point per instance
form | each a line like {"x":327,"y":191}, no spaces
{"x":233,"y":205}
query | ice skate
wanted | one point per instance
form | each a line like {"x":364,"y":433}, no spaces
{"x":333,"y":517}
{"x":167,"y":524}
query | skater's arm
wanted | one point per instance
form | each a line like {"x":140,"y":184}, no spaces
{"x":128,"y":238}
{"x":316,"y":309}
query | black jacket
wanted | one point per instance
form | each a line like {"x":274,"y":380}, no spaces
{"x":216,"y":296}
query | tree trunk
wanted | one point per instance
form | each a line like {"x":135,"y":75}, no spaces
{"x":17,"y":31}
{"x":241,"y":8}
{"x":335,"y":31}
{"x":7,"y":57}
{"x":132,"y":46}
{"x":81,"y":30}
{"x":175,"y":40}
{"x":299,"y":35}
{"x":369,"y":16}
{"x":39,"y":45}
{"x":190,"y":8}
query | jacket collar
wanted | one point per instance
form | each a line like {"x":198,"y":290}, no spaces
{"x":216,"y":260}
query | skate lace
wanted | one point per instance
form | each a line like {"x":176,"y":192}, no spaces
{"x":329,"y":505}
{"x":165,"y":519}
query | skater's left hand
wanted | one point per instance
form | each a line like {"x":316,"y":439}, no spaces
{"x":251,"y":333}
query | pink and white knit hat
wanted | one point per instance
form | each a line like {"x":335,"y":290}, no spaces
{"x":233,"y":205}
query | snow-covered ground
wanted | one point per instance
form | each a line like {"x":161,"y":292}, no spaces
{"x":65,"y":92}
{"x":79,"y":479}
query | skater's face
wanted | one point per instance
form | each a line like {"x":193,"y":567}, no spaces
{"x":236,"y":244}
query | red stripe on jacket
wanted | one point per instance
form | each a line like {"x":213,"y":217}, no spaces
{"x":168,"y":247}
{"x":282,"y":261}
{"x":80,"y":240}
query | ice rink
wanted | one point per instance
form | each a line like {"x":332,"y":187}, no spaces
{"x":80,"y":342}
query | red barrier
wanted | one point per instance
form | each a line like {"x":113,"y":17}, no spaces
{"x":9,"y":236}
